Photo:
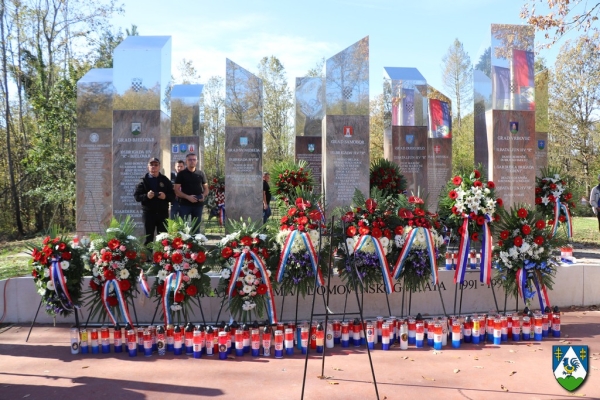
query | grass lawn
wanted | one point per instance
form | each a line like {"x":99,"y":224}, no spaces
{"x":14,"y":260}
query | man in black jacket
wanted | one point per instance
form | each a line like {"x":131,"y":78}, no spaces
{"x":154,"y":191}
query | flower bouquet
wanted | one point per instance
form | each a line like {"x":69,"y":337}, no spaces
{"x":421,"y":243}
{"x":58,"y":270}
{"x":115,"y":264}
{"x":523,"y":256}
{"x":471,"y":207}
{"x":246,"y":257}
{"x":553,"y":199}
{"x":301,"y":239}
{"x":289,"y":175}
{"x":216,"y":199}
{"x":179,"y":262}
{"x":386,"y":176}
{"x":369,"y":244}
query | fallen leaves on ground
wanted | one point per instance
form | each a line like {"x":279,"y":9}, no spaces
{"x":427,"y":378}
{"x":503,"y":388}
{"x":512,"y":373}
{"x":333,"y":383}
{"x":456,"y":370}
{"x":478,"y":366}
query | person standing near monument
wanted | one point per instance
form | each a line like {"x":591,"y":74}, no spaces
{"x":178,"y":167}
{"x":594,"y":201}
{"x":154,"y":191}
{"x":191,"y":186}
{"x":266,"y":197}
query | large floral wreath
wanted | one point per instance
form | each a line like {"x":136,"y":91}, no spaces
{"x":179,"y":262}
{"x":385,"y":175}
{"x":304,"y":246}
{"x":369,"y":246}
{"x":418,"y":235}
{"x":289,"y":175}
{"x":115,"y":264}
{"x":523,"y":256}
{"x":471,"y":208}
{"x":554,"y":200}
{"x":58,"y":270}
{"x":246,"y":258}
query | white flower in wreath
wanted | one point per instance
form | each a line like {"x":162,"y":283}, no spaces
{"x":298,"y":244}
{"x":262,"y":237}
{"x":365,"y":222}
{"x":269,"y":273}
{"x":46,"y":273}
{"x":513,"y":252}
{"x":200,"y":238}
{"x":254,"y":235}
{"x":545,"y":200}
{"x":162,"y":275}
{"x":177,"y":267}
{"x":193,"y":273}
{"x":50,"y":285}
{"x":184,"y":236}
{"x":64,"y":265}
{"x":525,"y":248}
{"x":385,"y":242}
{"x":124,"y":274}
{"x":399,"y":241}
{"x":249,"y":279}
{"x":557,"y":193}
{"x":247,"y":289}
{"x":162,"y":236}
{"x":95,"y":271}
{"x":225,"y":273}
{"x":314,"y":236}
{"x":350,"y":243}
{"x":175,"y":307}
{"x":504,"y":257}
{"x":282,"y":236}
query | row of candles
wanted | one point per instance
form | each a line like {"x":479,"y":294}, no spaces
{"x":226,"y":339}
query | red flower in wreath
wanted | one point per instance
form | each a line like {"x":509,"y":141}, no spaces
{"x":504,"y":235}
{"x":539,"y":240}
{"x":130,"y":254}
{"x":201,"y":257}
{"x":526,"y":229}
{"x":491,"y":185}
{"x":475,"y":236}
{"x":261,"y":289}
{"x":457,"y":180}
{"x":176,"y":258}
{"x":376,"y":233}
{"x":112,"y":301}
{"x":107,"y":256}
{"x":178,"y":297}
{"x":226,"y":252}
{"x":518,"y":241}
{"x":540,"y":224}
{"x":66,"y":256}
{"x":351,"y":231}
{"x":477,"y":174}
{"x":124,"y":285}
{"x":246,"y":241}
{"x":113,"y":244}
{"x":453,"y":195}
{"x":522,"y":213}
{"x":157,"y":257}
{"x":499,"y":202}
{"x":62,"y":246}
{"x":191,"y":290}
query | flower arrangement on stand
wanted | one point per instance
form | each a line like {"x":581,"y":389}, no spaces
{"x":216,"y":199}
{"x":303,"y":243}
{"x":289,"y":175}
{"x":246,"y":257}
{"x":369,"y":246}
{"x":524,"y":254}
{"x":58,"y":270}
{"x":471,"y":207}
{"x":385,"y":175}
{"x":418,"y":235}
{"x":115,"y":264}
{"x":554,"y":199}
{"x":179,"y":262}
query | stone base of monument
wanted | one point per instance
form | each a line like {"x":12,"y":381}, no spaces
{"x":574,"y":285}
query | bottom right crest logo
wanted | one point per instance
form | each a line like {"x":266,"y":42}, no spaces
{"x":570,"y":365}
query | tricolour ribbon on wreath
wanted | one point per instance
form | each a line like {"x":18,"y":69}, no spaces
{"x":235,"y":273}
{"x":558,"y":207}
{"x":122,"y":303}
{"x":429,"y":246}
{"x":221,"y":208}
{"x":485,"y":275}
{"x":60,"y":283}
{"x":383,"y":263}
{"x":173,"y":281}
{"x":144,"y":284}
{"x":542,"y":291}
{"x":287,"y":250}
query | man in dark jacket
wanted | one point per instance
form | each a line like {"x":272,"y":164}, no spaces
{"x":154,"y":191}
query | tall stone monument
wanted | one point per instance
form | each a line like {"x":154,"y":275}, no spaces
{"x":406,"y":128}
{"x":94,"y":151}
{"x":439,"y":145}
{"x":187,"y":122}
{"x":510,"y":124}
{"x":346,"y":125}
{"x":310,"y":110}
{"x":141,"y":117}
{"x":243,"y":143}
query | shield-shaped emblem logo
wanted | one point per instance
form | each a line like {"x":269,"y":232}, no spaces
{"x":243,"y":141}
{"x":136,"y":84}
{"x":410,"y":139}
{"x":311,"y":147}
{"x":183,"y":147}
{"x":514,"y":127}
{"x":570,"y":365}
{"x":348,"y":131}
{"x":437,"y":149}
{"x":541,"y":144}
{"x":191,"y":148}
{"x":175,"y":149}
{"x":136,"y":128}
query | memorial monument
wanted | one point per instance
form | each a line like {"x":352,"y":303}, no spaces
{"x":187,"y":122}
{"x":310,"y":110}
{"x":346,"y":125}
{"x":141,"y":117}
{"x":439,"y":146}
{"x":94,"y":151}
{"x":243,"y":143}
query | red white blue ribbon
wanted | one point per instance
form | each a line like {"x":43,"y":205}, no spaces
{"x":144,"y":284}
{"x":122,"y":303}
{"x":383,"y":263}
{"x":558,"y":207}
{"x":221,"y":214}
{"x":173,"y":281}
{"x":287,"y":250}
{"x":542,"y":292}
{"x":521,"y":278}
{"x":463,"y":252}
{"x":235,"y":273}
{"x":321,"y":211}
{"x":429,"y":246}
{"x":60,"y":283}
{"x":485,"y":275}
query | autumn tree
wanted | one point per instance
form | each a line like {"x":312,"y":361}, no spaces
{"x":214,"y":127}
{"x":376,"y":127}
{"x":457,"y":78}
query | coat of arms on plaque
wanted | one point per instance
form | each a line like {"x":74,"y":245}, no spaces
{"x":514,"y":127}
{"x":175,"y":149}
{"x":437,"y":149}
{"x":136,"y":84}
{"x":541,"y":144}
{"x":136,"y":128}
{"x":348,"y":131}
{"x":191,"y":148}
{"x":410,"y":139}
{"x":311,"y":147}
{"x":243,"y":141}
{"x":183,"y":147}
